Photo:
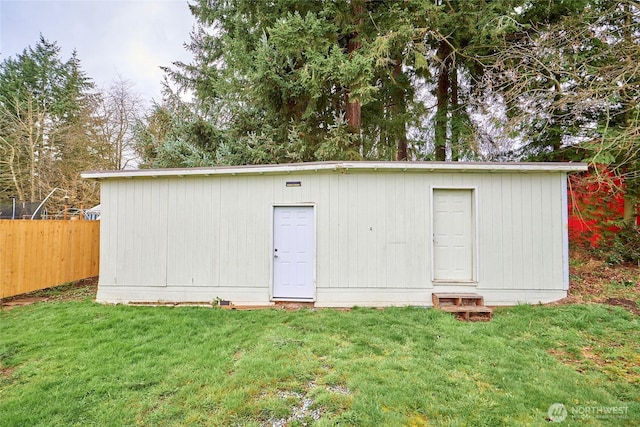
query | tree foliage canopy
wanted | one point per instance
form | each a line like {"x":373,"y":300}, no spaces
{"x":572,"y":90}
{"x":284,"y":81}
{"x":44,"y":137}
{"x":299,"y":81}
{"x":54,"y":124}
{"x":288,"y":81}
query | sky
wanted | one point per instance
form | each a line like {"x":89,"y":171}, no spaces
{"x":128,"y":39}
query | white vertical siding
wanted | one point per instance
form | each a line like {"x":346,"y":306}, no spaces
{"x":508,"y":256}
{"x":178,"y":235}
{"x":197,"y":238}
{"x":519,"y":236}
{"x":563,"y":230}
{"x":108,"y":234}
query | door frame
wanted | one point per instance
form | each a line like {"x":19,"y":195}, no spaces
{"x":272,"y":250}
{"x":475,"y":259}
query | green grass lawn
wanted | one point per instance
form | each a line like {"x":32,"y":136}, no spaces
{"x":80,"y":363}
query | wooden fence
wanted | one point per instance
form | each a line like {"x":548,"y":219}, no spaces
{"x":44,"y":253}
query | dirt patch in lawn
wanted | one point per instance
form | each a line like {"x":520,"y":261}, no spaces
{"x":20,"y":301}
{"x":630,"y":305}
{"x":595,"y":281}
{"x":617,"y":360}
{"x":74,"y":291}
{"x":6,"y":372}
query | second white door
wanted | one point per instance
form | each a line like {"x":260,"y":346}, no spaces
{"x":453,"y":235}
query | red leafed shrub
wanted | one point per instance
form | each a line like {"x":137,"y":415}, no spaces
{"x":596,"y":208}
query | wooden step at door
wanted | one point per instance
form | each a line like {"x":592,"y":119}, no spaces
{"x":465,"y":306}
{"x":445,"y":299}
{"x":469,"y":312}
{"x":294,"y":305}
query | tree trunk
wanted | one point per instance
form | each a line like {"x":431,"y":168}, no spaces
{"x":631,"y":191}
{"x":14,"y":175}
{"x":442,"y":113}
{"x":455,"y":116}
{"x":353,"y":113}
{"x":353,"y":107}
{"x":399,"y":109}
{"x":402,"y":153}
{"x":34,"y":152}
{"x":630,"y":209}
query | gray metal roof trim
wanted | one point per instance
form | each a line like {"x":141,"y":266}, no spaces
{"x":387,"y":166}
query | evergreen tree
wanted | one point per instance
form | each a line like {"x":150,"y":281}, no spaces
{"x":298,"y":81}
{"x":45,"y":122}
{"x":284,"y":81}
{"x":175,"y":134}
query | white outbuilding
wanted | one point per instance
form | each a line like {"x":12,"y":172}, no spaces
{"x":337,"y":234}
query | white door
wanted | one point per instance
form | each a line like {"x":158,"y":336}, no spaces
{"x":453,"y":235}
{"x":293,"y":252}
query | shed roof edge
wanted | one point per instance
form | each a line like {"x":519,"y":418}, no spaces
{"x":341,"y":167}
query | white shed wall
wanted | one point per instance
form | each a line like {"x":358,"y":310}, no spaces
{"x":198,"y":238}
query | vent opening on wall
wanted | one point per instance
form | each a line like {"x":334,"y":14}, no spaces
{"x":294,"y":184}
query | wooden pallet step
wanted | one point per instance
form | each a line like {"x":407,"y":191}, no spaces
{"x":457,"y":299}
{"x":294,"y":305}
{"x":249,"y":307}
{"x":470,"y":312}
{"x":469,"y":308}
{"x":465,"y":306}
{"x":473,"y":316}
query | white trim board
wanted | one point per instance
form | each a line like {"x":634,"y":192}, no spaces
{"x":341,"y":167}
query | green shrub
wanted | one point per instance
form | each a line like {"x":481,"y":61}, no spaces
{"x":625,"y":246}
